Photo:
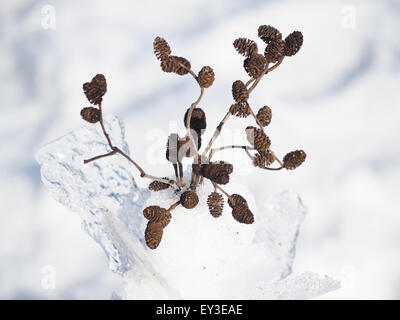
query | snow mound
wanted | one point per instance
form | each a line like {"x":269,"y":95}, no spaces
{"x":199,"y":257}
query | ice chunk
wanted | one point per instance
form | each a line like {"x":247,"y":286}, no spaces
{"x":304,"y":286}
{"x":199,"y":257}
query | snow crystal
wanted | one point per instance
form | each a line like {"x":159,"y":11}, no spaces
{"x":200,"y":257}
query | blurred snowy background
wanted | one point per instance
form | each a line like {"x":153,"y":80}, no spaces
{"x":338,"y":99}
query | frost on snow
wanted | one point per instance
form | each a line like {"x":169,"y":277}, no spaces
{"x":200,"y":257}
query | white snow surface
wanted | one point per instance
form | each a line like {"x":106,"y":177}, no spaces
{"x":200,"y":257}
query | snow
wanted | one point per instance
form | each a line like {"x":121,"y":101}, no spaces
{"x":200,"y":257}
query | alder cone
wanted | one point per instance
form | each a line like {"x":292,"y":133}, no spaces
{"x":153,"y":234}
{"x":178,"y":65}
{"x":189,"y":199}
{"x":236,"y":200}
{"x":268,"y":33}
{"x":263,"y":159}
{"x":161,"y":48}
{"x":274,"y":50}
{"x":264,"y":116}
{"x":95,"y":89}
{"x":294,"y":159}
{"x":245,"y":47}
{"x":293,"y":43}
{"x":90,"y":114}
{"x":157,"y":214}
{"x":215,"y":204}
{"x":258,"y":139}
{"x":255,"y":65}
{"x":239,"y":91}
{"x":240,"y":109}
{"x":206,"y":77}
{"x":242,"y":214}
{"x":216,"y":172}
{"x":198,"y":120}
{"x":158,"y":185}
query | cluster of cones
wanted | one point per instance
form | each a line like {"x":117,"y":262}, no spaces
{"x":94,"y":92}
{"x":218,"y":173}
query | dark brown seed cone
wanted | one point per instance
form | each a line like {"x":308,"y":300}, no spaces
{"x":158,"y":185}
{"x":161,"y":48}
{"x":228,"y":167}
{"x":236,"y":200}
{"x":268,"y":33}
{"x":157,"y":214}
{"x":294,"y":159}
{"x":258,"y":139}
{"x":242,"y":214}
{"x":245,"y":47}
{"x":197,"y":121}
{"x":263,"y":159}
{"x":215,"y":204}
{"x":206,"y":77}
{"x":172,"y":148}
{"x":240,"y":109}
{"x":255,"y":65}
{"x":215,"y":172}
{"x":175,"y":64}
{"x":90,"y":114}
{"x":95,"y":89}
{"x":264,"y":115}
{"x":153,"y":234}
{"x":189,"y":199}
{"x":239,"y":91}
{"x":274,"y":50}
{"x":293,"y":43}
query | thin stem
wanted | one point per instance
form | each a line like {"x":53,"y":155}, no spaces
{"x":172,"y":207}
{"x":216,"y":186}
{"x":189,"y":117}
{"x":100,"y":156}
{"x":276,"y":169}
{"x":102,"y":127}
{"x":143,"y":174}
{"x":216,"y":133}
{"x":245,"y":148}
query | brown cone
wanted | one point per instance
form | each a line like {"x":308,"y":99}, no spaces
{"x":268,"y":33}
{"x":206,"y":77}
{"x":239,"y":91}
{"x":216,"y":172}
{"x":236,"y":200}
{"x":90,"y":114}
{"x":263,"y":159}
{"x":240,"y":109}
{"x":189,"y":199}
{"x":157,"y":214}
{"x":242,"y":214}
{"x":153,"y":234}
{"x":245,"y":47}
{"x":161,"y":48}
{"x":178,"y":65}
{"x":294,"y":159}
{"x":255,"y":65}
{"x":95,"y":89}
{"x":264,"y":116}
{"x":215,"y":204}
{"x":258,"y":139}
{"x":293,"y":43}
{"x":158,"y":185}
{"x":274,"y":50}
